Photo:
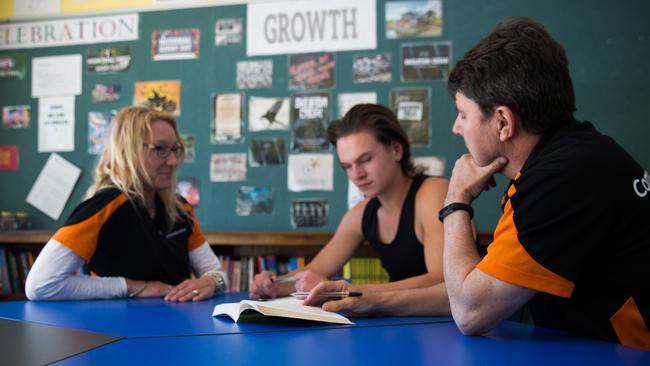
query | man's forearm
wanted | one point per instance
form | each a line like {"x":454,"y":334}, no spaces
{"x":459,"y":258}
{"x":430,"y":300}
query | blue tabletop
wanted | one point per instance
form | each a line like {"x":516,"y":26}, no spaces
{"x":155,"y":317}
{"x":407,"y":344}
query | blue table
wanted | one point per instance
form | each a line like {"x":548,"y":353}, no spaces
{"x":407,"y":344}
{"x":156,"y":332}
{"x":157,"y":318}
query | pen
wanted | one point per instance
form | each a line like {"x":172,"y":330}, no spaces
{"x":283,"y":279}
{"x":330,"y":294}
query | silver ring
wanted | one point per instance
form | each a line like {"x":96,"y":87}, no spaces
{"x":195,"y":292}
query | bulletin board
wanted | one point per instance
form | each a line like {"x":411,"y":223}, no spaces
{"x":606,"y":53}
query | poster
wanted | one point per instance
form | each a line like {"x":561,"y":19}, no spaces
{"x":415,"y":18}
{"x":254,"y":201}
{"x":425,"y":61}
{"x":433,"y":165}
{"x":312,"y":71}
{"x":355,"y":195}
{"x":310,"y":172}
{"x":108,"y":59}
{"x":56,"y":124}
{"x":175,"y":44}
{"x":16,"y":116}
{"x":268,"y":113}
{"x":13,"y":66}
{"x":270,"y":151}
{"x":411,"y":106}
{"x":188,"y":143}
{"x":377,"y":67}
{"x":254,"y":74}
{"x":103,"y":93}
{"x":98,"y":123}
{"x":349,"y":100}
{"x":9,"y":157}
{"x":228,"y":167}
{"x":53,"y":186}
{"x":56,"y":75}
{"x":227,"y":122}
{"x":188,"y":188}
{"x":309,"y":212}
{"x":227,"y":31}
{"x":163,"y":95}
{"x":310,"y":121}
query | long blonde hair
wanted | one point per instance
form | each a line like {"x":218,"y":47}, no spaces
{"x":121,"y":165}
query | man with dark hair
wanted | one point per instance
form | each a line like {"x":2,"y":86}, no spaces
{"x":576,"y":249}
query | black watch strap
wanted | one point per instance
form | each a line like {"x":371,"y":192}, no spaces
{"x":447,"y":210}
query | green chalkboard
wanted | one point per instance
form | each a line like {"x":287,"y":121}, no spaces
{"x":608,"y":48}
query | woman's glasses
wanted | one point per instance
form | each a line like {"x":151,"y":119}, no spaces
{"x":164,"y":151}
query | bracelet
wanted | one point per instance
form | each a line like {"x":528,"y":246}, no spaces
{"x":139,"y":291}
{"x":220,"y":283}
{"x":450,"y":208}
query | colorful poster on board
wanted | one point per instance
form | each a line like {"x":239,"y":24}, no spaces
{"x":163,"y":95}
{"x":268,"y":113}
{"x":227,"y":31}
{"x":254,"y":74}
{"x":9,"y":157}
{"x":13,"y":66}
{"x":105,"y":93}
{"x":271,"y":151}
{"x":312,"y":71}
{"x":98,"y":123}
{"x":254,"y":201}
{"x":16,"y":116}
{"x":415,"y":18}
{"x":377,"y":67}
{"x":108,"y":59}
{"x":309,"y":121}
{"x":411,"y":106}
{"x":425,"y":61}
{"x":175,"y":44}
{"x":188,"y":188}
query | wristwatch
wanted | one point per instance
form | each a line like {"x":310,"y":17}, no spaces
{"x":450,"y":208}
{"x":218,"y":280}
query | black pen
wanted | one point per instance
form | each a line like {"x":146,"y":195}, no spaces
{"x":283,"y":279}
{"x":330,"y":294}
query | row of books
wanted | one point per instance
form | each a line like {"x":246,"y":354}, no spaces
{"x":241,"y":271}
{"x":14,"y":267}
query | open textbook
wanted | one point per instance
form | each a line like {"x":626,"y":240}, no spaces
{"x":287,"y":307}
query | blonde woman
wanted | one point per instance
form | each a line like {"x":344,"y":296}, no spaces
{"x":134,"y":233}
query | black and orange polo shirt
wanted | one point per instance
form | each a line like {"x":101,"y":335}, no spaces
{"x":576,"y":228}
{"x":116,"y":237}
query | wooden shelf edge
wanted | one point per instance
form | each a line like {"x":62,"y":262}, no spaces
{"x":232,"y":238}
{"x":270,"y":238}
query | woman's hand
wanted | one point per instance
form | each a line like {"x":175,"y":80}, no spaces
{"x":192,"y":289}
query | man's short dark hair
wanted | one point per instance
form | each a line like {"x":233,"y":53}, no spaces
{"x":521,"y":66}
{"x":381,"y":123}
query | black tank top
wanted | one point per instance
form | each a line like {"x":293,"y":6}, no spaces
{"x":404,"y":257}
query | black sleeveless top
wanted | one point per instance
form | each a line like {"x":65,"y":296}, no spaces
{"x":404,"y":257}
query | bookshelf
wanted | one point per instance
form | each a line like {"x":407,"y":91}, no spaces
{"x":233,"y":244}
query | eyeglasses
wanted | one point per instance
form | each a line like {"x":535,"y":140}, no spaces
{"x":164,"y":151}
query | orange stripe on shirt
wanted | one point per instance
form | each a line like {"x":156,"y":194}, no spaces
{"x":508,"y":260}
{"x":197,"y":238}
{"x":81,"y":237}
{"x":629,"y":326}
